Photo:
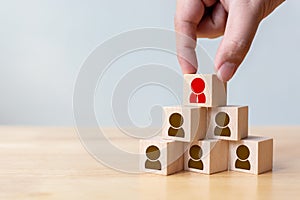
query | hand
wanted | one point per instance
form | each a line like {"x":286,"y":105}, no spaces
{"x":237,"y":20}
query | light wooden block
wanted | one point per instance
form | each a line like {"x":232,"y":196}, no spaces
{"x":161,"y":156}
{"x":184,"y":124}
{"x":252,"y":155}
{"x":204,"y":90}
{"x":206,"y":156}
{"x":228,"y":122}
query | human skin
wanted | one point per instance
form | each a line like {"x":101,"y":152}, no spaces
{"x":237,"y":20}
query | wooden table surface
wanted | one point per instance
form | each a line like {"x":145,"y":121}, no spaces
{"x":51,"y":163}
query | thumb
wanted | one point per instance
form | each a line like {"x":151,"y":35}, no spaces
{"x":242,"y":24}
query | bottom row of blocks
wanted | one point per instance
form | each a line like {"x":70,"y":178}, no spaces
{"x":252,"y":155}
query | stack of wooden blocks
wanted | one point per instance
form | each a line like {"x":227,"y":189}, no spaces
{"x":206,"y":135}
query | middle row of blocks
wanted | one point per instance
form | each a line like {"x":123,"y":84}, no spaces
{"x":187,"y":124}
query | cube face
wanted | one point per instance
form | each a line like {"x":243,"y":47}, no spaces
{"x":161,"y":156}
{"x":252,"y":155}
{"x":204,"y":90}
{"x":206,"y":156}
{"x":184,"y":124}
{"x":228,"y":122}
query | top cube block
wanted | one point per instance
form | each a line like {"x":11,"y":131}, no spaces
{"x":204,"y":90}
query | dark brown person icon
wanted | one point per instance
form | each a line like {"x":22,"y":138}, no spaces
{"x":242,"y":153}
{"x":222,"y":120}
{"x":152,"y":154}
{"x":176,"y":121}
{"x":195,"y":160}
{"x":197,"y":95}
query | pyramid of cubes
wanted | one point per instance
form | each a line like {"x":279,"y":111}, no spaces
{"x":205,"y":135}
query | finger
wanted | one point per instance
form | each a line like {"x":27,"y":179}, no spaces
{"x":187,"y":18}
{"x":213,"y":24}
{"x":242,"y":24}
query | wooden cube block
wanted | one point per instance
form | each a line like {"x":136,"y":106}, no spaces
{"x":252,"y":155}
{"x":206,"y":156}
{"x":184,"y":123}
{"x":228,"y":122}
{"x":161,"y":156}
{"x":204,"y":90}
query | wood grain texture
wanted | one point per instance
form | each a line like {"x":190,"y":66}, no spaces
{"x":214,"y":156}
{"x":170,"y":158}
{"x":194,"y":123}
{"x":238,"y":122}
{"x":51,"y":163}
{"x":259,"y":159}
{"x":215,"y":91}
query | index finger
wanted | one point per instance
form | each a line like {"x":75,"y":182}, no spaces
{"x":188,"y":15}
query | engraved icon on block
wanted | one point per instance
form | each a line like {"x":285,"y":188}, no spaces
{"x":222,"y":120}
{"x":195,"y":161}
{"x":251,"y":155}
{"x":153,"y":154}
{"x":184,"y":124}
{"x":228,"y":122}
{"x":176,"y":121}
{"x":197,"y":95}
{"x":204,"y":90}
{"x":241,"y":162}
{"x":161,"y":156}
{"x":206,"y":156}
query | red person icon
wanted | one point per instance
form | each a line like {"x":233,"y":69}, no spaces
{"x":197,"y":95}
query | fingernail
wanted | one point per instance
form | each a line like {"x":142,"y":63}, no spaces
{"x":226,"y":71}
